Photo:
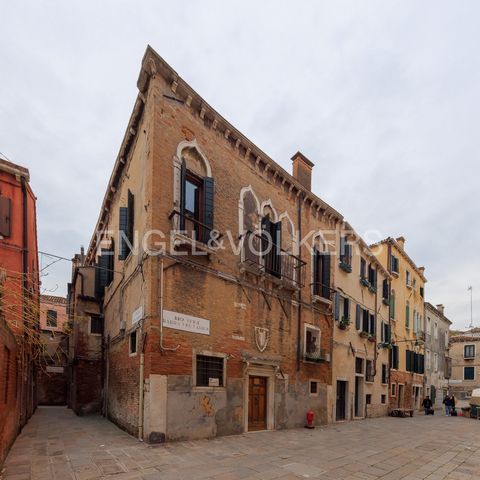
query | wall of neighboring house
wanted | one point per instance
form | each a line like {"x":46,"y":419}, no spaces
{"x":351,"y":344}
{"x":407,"y":314}
{"x":52,"y":378}
{"x":436,"y":352}
{"x":18,"y":292}
{"x":464,"y":365}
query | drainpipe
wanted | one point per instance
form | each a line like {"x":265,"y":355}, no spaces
{"x":141,"y":394}
{"x":299,"y":294}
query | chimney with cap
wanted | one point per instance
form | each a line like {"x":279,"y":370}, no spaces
{"x":302,"y":170}
{"x":401,"y":242}
{"x":440,"y":308}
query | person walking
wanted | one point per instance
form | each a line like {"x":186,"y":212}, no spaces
{"x":427,"y":404}
{"x":447,"y":401}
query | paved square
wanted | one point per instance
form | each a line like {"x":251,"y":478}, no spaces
{"x":58,"y":445}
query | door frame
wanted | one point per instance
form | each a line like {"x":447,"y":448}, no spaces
{"x":260,"y":371}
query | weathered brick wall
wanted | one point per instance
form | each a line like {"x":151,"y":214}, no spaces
{"x":52,"y":387}
{"x":9,"y":399}
{"x":123,"y":386}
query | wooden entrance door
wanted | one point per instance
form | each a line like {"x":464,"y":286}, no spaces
{"x":257,"y":403}
{"x":341,"y":400}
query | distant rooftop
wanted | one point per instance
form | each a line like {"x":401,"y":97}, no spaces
{"x":53,"y":299}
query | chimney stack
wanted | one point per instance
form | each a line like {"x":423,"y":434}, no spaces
{"x":401,"y":242}
{"x":440,"y":308}
{"x":302,"y":170}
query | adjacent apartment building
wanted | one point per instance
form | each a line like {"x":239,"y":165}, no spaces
{"x":211,"y":309}
{"x":18,"y":301}
{"x":465,"y":358}
{"x":52,"y":384}
{"x":407,"y":292}
{"x":437,"y":359}
{"x":361,"y":335}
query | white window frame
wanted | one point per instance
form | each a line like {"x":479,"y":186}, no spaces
{"x":435,"y":330}
{"x":308,"y":326}
{"x":474,"y":351}
{"x":130,"y":353}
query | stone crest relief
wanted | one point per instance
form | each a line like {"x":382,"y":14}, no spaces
{"x":261,"y":338}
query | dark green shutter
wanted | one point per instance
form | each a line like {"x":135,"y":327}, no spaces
{"x":183,"y":188}
{"x":385,"y":289}
{"x":208,"y":201}
{"x":104,"y":268}
{"x":382,"y":332}
{"x":407,"y":316}
{"x":131,"y":217}
{"x":372,"y":329}
{"x":388,"y":333}
{"x":337,"y":306}
{"x":395,"y":356}
{"x":365,"y":321}
{"x":325,"y":257}
{"x":122,"y":232}
{"x":358,"y":317}
{"x":362,"y":268}
{"x":316,"y":267}
{"x":346,"y":307}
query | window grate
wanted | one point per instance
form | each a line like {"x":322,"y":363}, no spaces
{"x":209,"y":371}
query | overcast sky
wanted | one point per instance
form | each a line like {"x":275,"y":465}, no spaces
{"x":383,"y":96}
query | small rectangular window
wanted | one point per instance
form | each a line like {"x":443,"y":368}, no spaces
{"x":313,"y":387}
{"x":133,"y":343}
{"x":384,"y":399}
{"x":5,"y":216}
{"x":469,"y":373}
{"x":384,"y":374}
{"x":469,"y":351}
{"x":209,"y":371}
{"x":359,"y":365}
{"x":312,"y":343}
{"x":368,"y":399}
{"x":393,"y":390}
{"x":96,"y":325}
{"x":51,"y":318}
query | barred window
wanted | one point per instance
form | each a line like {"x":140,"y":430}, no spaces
{"x":51,"y":318}
{"x":209,"y":371}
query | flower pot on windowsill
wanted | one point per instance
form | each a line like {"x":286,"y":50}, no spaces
{"x":386,"y":301}
{"x":386,"y":345}
{"x":372,"y":288}
{"x":346,"y":267}
{"x":364,"y":334}
{"x":372,"y":339}
{"x":364,"y":282}
{"x":344,"y":323}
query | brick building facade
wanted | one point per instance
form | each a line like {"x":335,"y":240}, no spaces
{"x":18,"y":301}
{"x":52,"y":379}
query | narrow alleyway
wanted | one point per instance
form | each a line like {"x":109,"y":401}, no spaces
{"x":57,"y":445}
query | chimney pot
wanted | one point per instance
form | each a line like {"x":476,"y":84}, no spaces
{"x":401,"y":241}
{"x":440,"y":308}
{"x":302,"y":170}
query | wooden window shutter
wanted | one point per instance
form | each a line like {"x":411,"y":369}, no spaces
{"x":372,"y":329}
{"x":382,"y":332}
{"x":131,"y":217}
{"x":5,"y":216}
{"x":325,"y":264}
{"x":407,"y":316}
{"x":337,"y":306}
{"x":123,"y":249}
{"x":358,"y":317}
{"x":395,"y":356}
{"x":342,"y":248}
{"x":208,"y":202}
{"x":362,"y":267}
{"x":365,"y":321}
{"x":316,"y":268}
{"x":385,"y":289}
{"x":183,"y":187}
{"x":111,"y":261}
{"x":388,"y":333}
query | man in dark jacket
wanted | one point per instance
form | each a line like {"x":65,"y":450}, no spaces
{"x":447,"y":401}
{"x":427,"y":404}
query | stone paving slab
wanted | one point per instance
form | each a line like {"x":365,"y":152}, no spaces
{"x":58,"y":445}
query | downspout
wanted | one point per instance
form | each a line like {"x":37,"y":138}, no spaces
{"x":299,"y":293}
{"x":141,"y":392}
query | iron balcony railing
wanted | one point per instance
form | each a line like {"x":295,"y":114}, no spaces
{"x":261,"y":252}
{"x":193,"y":229}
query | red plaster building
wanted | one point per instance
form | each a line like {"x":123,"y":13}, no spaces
{"x":19,"y":301}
